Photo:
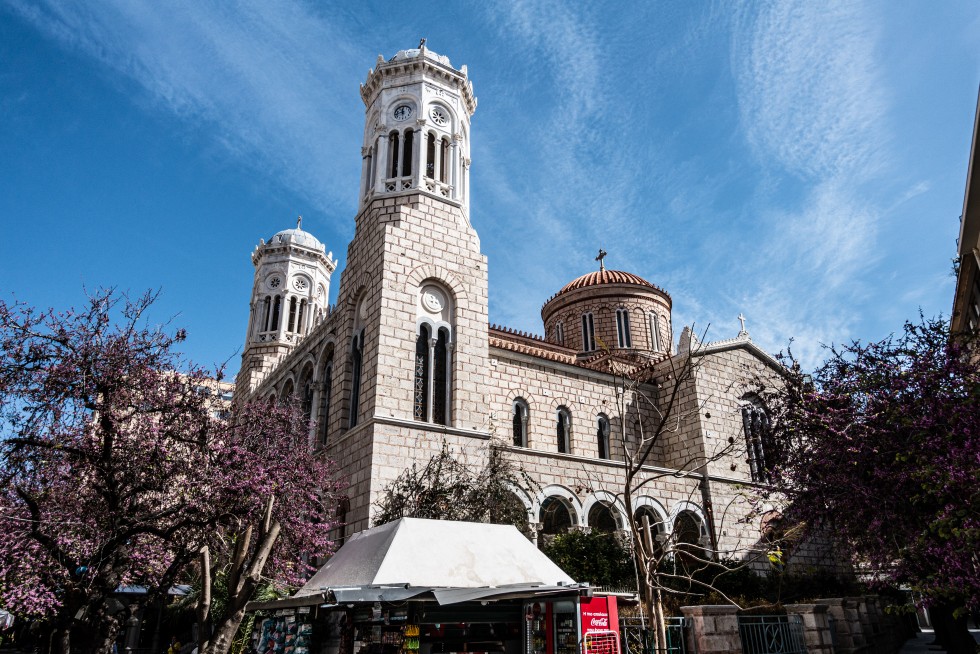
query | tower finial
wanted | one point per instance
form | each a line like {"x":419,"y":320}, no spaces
{"x":299,"y":222}
{"x":741,"y":320}
{"x":421,"y":43}
{"x":602,"y":255}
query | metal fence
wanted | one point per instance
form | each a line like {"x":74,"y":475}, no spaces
{"x":771,"y":634}
{"x":640,"y":639}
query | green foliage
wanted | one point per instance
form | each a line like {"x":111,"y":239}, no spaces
{"x":597,"y":558}
{"x":449,"y":488}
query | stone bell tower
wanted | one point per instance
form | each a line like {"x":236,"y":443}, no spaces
{"x":290,"y":295}
{"x":417,"y":132}
{"x":415,"y":285}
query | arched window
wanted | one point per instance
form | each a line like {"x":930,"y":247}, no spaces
{"x":407,"y":153}
{"x":556,"y":517}
{"x":623,"y":328}
{"x":601,"y":518}
{"x":422,"y":364}
{"x":326,"y":380}
{"x":393,"y":142}
{"x":267,"y":306}
{"x":292,"y":315}
{"x":430,"y":155}
{"x":286,"y":395}
{"x":564,"y":430}
{"x":306,"y":390}
{"x":755,"y":423}
{"x":690,"y":539}
{"x":300,"y":327}
{"x":276,"y":307}
{"x":654,"y":321}
{"x":356,"y":356}
{"x":432,"y":375}
{"x":443,"y":160}
{"x":520,"y":422}
{"x":602,"y":436}
{"x":433,"y":354}
{"x":560,"y":333}
{"x":440,"y":379}
{"x":588,"y":333}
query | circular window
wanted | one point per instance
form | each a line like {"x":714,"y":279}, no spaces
{"x":301,"y":283}
{"x":275,"y":282}
{"x":439,"y":115}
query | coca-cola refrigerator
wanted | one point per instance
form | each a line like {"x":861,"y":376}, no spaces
{"x":568,"y":626}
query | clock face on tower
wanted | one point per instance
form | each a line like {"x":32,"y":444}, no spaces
{"x":402,"y":112}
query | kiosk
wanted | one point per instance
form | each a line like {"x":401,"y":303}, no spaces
{"x":417,"y":586}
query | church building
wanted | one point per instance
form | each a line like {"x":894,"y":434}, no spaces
{"x":407,"y":360}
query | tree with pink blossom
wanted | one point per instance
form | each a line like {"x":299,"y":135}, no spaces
{"x":881,"y":448}
{"x":114,"y":470}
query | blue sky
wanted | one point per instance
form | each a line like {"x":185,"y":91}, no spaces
{"x":801,"y":163}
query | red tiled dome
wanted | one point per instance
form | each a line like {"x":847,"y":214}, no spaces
{"x":600,"y":277}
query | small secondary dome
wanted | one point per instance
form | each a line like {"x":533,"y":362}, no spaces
{"x":298,"y":237}
{"x":412,"y":53}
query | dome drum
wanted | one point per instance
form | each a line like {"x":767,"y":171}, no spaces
{"x":609,"y":309}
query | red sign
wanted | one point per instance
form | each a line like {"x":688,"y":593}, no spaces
{"x":599,"y":614}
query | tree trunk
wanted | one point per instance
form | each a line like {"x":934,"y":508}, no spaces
{"x":243,"y":579}
{"x":204,"y":603}
{"x":224,"y":635}
{"x":659,"y":621}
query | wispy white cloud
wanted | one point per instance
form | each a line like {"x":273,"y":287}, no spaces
{"x":809,"y":94}
{"x":582,"y":183}
{"x":252,"y":74}
{"x":811,"y":106}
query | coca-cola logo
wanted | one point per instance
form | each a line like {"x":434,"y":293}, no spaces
{"x":599,"y":621}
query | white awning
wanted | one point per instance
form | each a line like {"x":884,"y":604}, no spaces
{"x":416,"y":553}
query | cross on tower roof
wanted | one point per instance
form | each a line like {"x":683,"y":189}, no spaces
{"x":602,"y":255}
{"x":741,"y":320}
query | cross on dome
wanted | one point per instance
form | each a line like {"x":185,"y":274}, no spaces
{"x":602,"y":255}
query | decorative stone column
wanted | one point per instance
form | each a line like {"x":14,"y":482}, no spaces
{"x":816,"y":627}
{"x":714,"y":629}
